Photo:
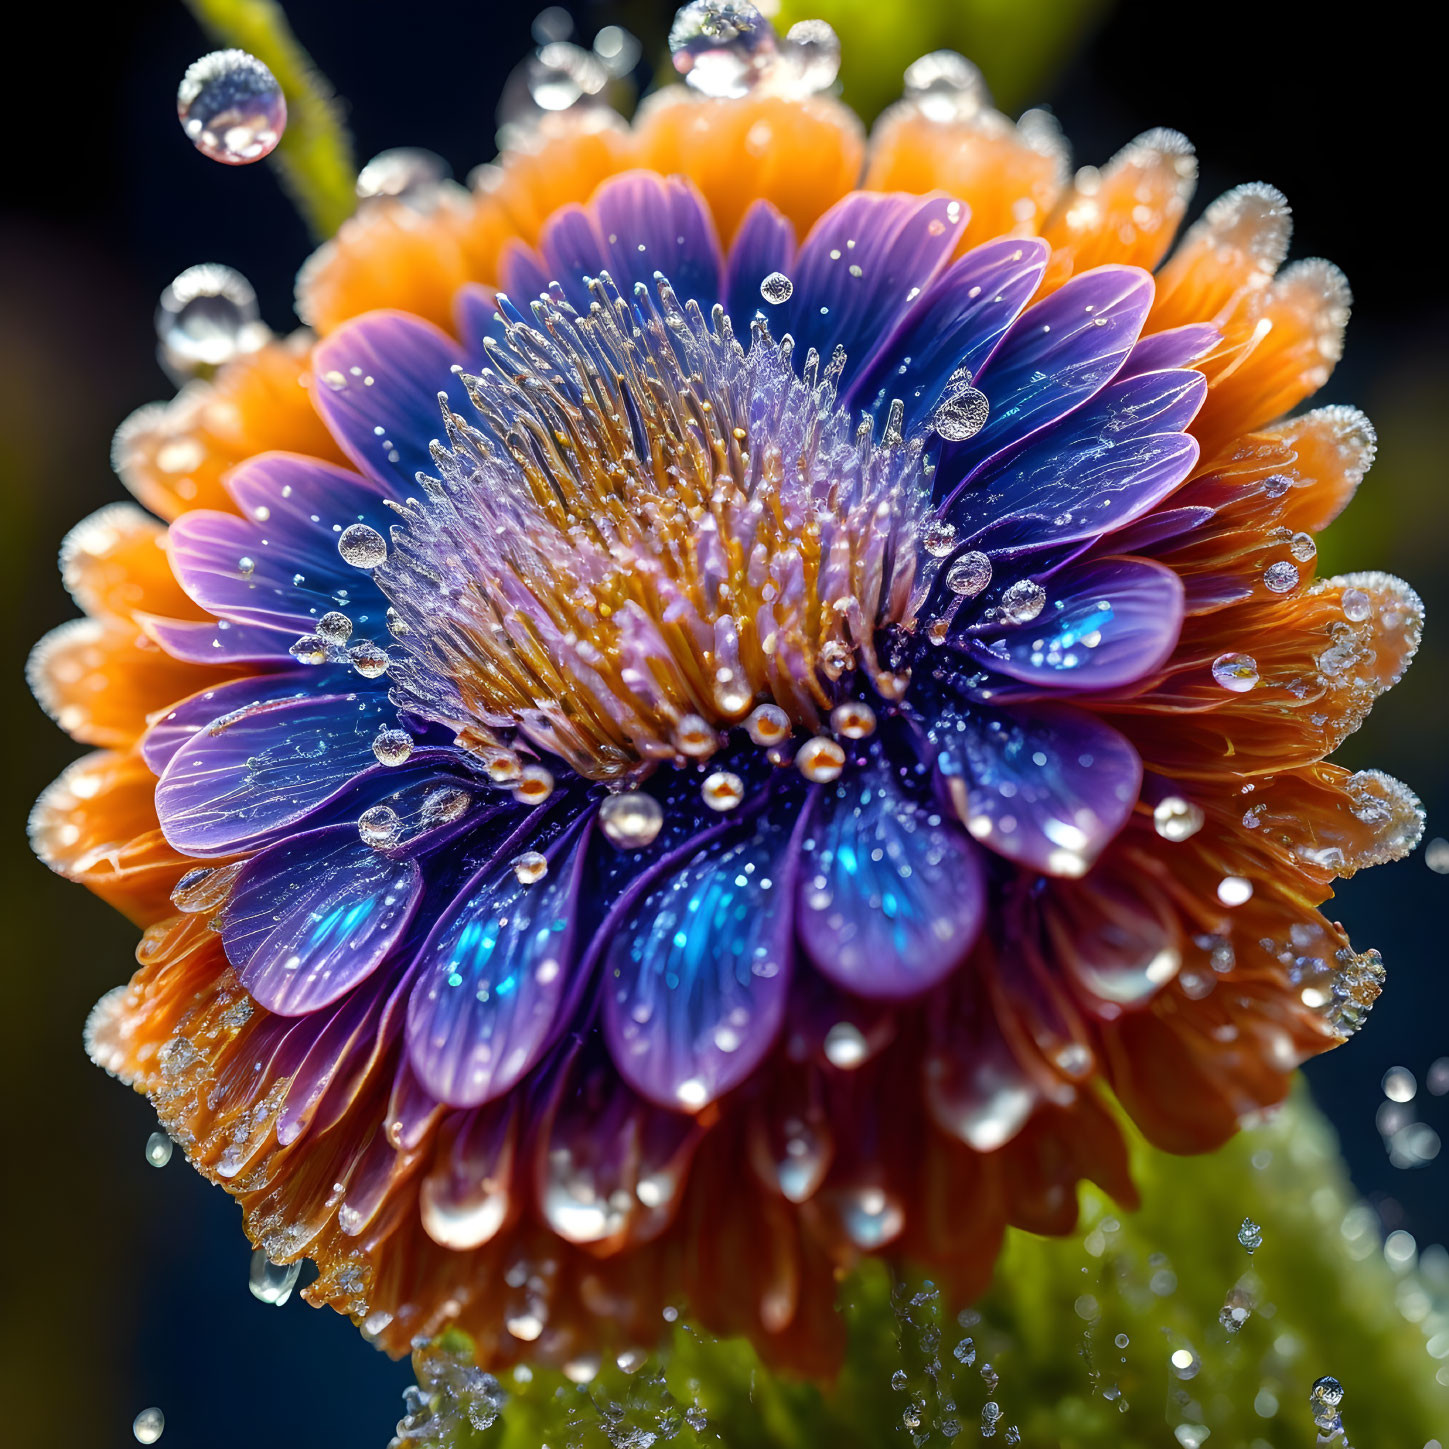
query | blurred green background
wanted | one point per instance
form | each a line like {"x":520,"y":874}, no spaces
{"x":125,"y":1286}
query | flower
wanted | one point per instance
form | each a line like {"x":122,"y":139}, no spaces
{"x":731,"y":688}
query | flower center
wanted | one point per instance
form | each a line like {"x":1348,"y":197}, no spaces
{"x":654,"y":532}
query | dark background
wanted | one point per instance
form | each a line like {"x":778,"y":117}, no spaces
{"x":129,"y":1284}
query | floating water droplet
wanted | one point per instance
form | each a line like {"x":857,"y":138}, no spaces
{"x":530,"y":867}
{"x":1399,"y":1085}
{"x":272,"y":1282}
{"x":158,"y":1149}
{"x":854,"y":719}
{"x":820,"y":760}
{"x":965,"y":1352}
{"x":631,"y":820}
{"x":768,"y":725}
{"x":534,"y":785}
{"x":1023,"y":601}
{"x":961,"y":415}
{"x":1176,"y":819}
{"x":1357,"y":605}
{"x":945,"y":86}
{"x":205,"y":318}
{"x":969,"y":574}
{"x":309,"y":649}
{"x":370,"y":660}
{"x":618,"y":50}
{"x":990,"y":1418}
{"x":392,"y":746}
{"x":1324,"y":1399}
{"x":335,"y":628}
{"x":721,"y":47}
{"x":1236,"y":672}
{"x":777,"y":288}
{"x":148,"y":1426}
{"x":809,"y":57}
{"x":231,"y":107}
{"x":558,"y":77}
{"x":380,"y":826}
{"x":722,"y":790}
{"x":1184,"y":1363}
{"x":408,"y":174}
{"x":1281,"y":577}
{"x":362,"y":546}
{"x":845,"y":1046}
{"x":1250,"y":1235}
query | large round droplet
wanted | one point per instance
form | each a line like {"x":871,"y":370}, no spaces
{"x":1236,"y":672}
{"x":405,"y":173}
{"x":969,"y":574}
{"x":205,"y":318}
{"x":631,"y":820}
{"x":962,"y":415}
{"x":1023,"y":601}
{"x":361,"y":546}
{"x":944,"y":85}
{"x":810,"y":57}
{"x":231,"y":107}
{"x":148,"y":1426}
{"x":722,"y":47}
{"x":777,"y":289}
{"x":558,"y":77}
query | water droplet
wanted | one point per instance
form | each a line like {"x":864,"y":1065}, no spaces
{"x":820,"y":760}
{"x":1236,"y":672}
{"x":961,"y":415}
{"x":631,"y":820}
{"x":392,"y":746}
{"x":309,"y":649}
{"x":335,"y":628}
{"x":362,"y":546}
{"x":205,"y":318}
{"x":1303,"y":548}
{"x":1176,"y":819}
{"x":148,"y":1426}
{"x":272,"y":1282}
{"x":694,"y":737}
{"x":408,"y":174}
{"x":1324,"y":1398}
{"x":721,"y":47}
{"x":1357,"y":606}
{"x":1184,"y":1363}
{"x":1250,"y":1235}
{"x":368,"y":659}
{"x":965,"y":1352}
{"x":445,"y":804}
{"x":938,"y":537}
{"x":809,"y":57}
{"x":845,"y":1046}
{"x":1023,"y":601}
{"x":768,"y":725}
{"x":777,"y":288}
{"x":397,"y":626}
{"x":618,"y":49}
{"x":1436,"y":855}
{"x":158,"y":1149}
{"x":944,"y":85}
{"x":854,"y":719}
{"x":530,"y":867}
{"x":722,"y":790}
{"x":1399,"y":1085}
{"x":1281,"y":577}
{"x":231,"y":107}
{"x":534,"y":785}
{"x":380,"y":826}
{"x":969,"y":574}
{"x":1233,"y":890}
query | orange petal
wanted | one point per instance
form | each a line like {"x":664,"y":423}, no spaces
{"x":114,"y":563}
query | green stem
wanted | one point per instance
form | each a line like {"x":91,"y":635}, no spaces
{"x":315,"y":155}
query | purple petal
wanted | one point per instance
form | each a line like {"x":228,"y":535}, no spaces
{"x":310,"y":918}
{"x":1177,"y":347}
{"x":764,"y":244}
{"x":217,"y":641}
{"x":474,"y":310}
{"x":861,"y":267}
{"x":1057,"y":355}
{"x":1044,"y":785}
{"x":376,"y":383}
{"x":699,"y":973}
{"x":634,"y":225}
{"x":277,"y":565}
{"x":957,"y":323}
{"x":172,"y":729}
{"x":1114,"y":459}
{"x":1107,"y":623}
{"x":891,"y":896}
{"x":247,"y":780}
{"x":1149,"y":532}
{"x":494,"y":974}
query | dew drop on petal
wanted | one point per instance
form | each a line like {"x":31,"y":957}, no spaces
{"x":721,"y":47}
{"x":362,"y":546}
{"x":406,"y":173}
{"x":820,"y":760}
{"x":231,"y":107}
{"x":1023,"y":601}
{"x":529,"y":867}
{"x":335,"y":628}
{"x":158,"y":1149}
{"x":854,"y":719}
{"x":534,"y":785}
{"x":148,"y":1426}
{"x":1356,"y":606}
{"x":938,"y":537}
{"x":722,"y":790}
{"x":271,"y":1282}
{"x":380,"y":826}
{"x":631,"y":820}
{"x":1233,"y":890}
{"x":1176,"y":819}
{"x":1281,"y":577}
{"x":768,"y":725}
{"x":961,"y":415}
{"x":1303,"y":548}
{"x":944,"y":85}
{"x":969,"y":574}
{"x":810,"y":56}
{"x":1236,"y":672}
{"x":205,"y":318}
{"x":370,"y":660}
{"x":392,"y":746}
{"x":777,"y":288}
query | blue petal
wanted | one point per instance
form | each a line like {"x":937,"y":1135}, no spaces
{"x":698,"y":975}
{"x":494,"y":974}
{"x":891,"y":895}
{"x":310,"y":918}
